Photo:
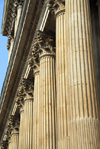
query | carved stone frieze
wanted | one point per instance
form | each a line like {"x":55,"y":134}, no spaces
{"x":55,"y":6}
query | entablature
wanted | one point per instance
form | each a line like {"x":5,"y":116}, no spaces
{"x":10,"y":10}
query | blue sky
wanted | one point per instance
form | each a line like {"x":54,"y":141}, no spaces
{"x":3,"y":49}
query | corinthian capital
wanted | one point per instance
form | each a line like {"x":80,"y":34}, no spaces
{"x":56,"y":5}
{"x":26,"y":89}
{"x":46,"y":43}
{"x":34,"y":56}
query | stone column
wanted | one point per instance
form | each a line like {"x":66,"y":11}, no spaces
{"x":47,"y":94}
{"x":11,"y":136}
{"x":26,"y":123}
{"x":21,"y":128}
{"x":36,"y":110}
{"x":9,"y":144}
{"x":82,"y":88}
{"x":34,"y":64}
{"x":14,"y":144}
{"x":20,"y":102}
{"x":28,"y":119}
{"x":58,"y":8}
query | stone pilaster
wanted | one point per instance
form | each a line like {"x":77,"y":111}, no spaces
{"x":47,"y":93}
{"x":82,"y":89}
{"x":58,"y":8}
{"x":26,"y":123}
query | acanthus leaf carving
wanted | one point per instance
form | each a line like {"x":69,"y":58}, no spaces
{"x":56,"y":5}
{"x":34,"y":56}
{"x":25,"y":91}
{"x":46,"y":43}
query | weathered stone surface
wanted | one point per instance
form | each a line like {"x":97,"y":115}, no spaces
{"x":50,"y":97}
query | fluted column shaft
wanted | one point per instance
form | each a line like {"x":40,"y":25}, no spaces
{"x":21,"y":128}
{"x":36,"y":111}
{"x":14,"y":142}
{"x":28,"y":123}
{"x":83,"y":98}
{"x":47,"y":102}
{"x":61,"y":79}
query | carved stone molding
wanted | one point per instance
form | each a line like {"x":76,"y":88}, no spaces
{"x":14,"y":14}
{"x":21,"y":2}
{"x":56,"y":6}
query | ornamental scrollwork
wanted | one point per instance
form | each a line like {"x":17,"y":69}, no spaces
{"x":34,"y":56}
{"x":56,"y":5}
{"x":26,"y":91}
{"x":46,"y":43}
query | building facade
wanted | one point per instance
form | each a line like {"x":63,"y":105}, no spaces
{"x":51,"y":93}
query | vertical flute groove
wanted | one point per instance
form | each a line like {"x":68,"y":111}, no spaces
{"x":82,"y":85}
{"x":48,"y":100}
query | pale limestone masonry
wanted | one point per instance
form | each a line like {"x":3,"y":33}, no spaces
{"x":51,"y":93}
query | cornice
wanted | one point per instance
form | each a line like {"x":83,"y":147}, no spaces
{"x":8,"y":6}
{"x":25,"y":33}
